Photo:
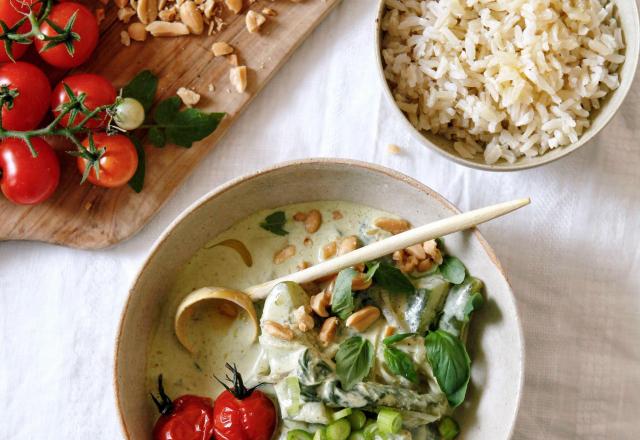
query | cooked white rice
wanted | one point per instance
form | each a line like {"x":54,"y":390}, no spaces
{"x":502,"y":78}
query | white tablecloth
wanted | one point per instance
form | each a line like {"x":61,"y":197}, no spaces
{"x":573,"y":257}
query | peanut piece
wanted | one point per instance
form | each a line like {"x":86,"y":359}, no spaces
{"x":188,"y":97}
{"x":192,"y":17}
{"x":347,"y":245}
{"x":431,"y":249}
{"x":360,"y":283}
{"x":125,"y":14}
{"x":328,"y":331}
{"x":166,"y":29}
{"x":121,"y":3}
{"x":147,"y":10}
{"x":300,"y":216}
{"x":320,"y":302}
{"x":329,"y":250}
{"x":278,"y":330}
{"x":254,"y":20}
{"x":336,"y":215}
{"x":125,"y":39}
{"x":313,"y":221}
{"x":302,"y":316}
{"x":425,"y":265}
{"x":393,"y":225}
{"x":417,"y":251}
{"x":363,"y":318}
{"x":238,"y":78}
{"x":137,"y":31}
{"x":220,"y":48}
{"x":389,"y":330}
{"x":284,"y":254}
{"x":270,"y":12}
{"x":234,"y":5}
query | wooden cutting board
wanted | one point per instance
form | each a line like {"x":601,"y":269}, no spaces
{"x":90,"y":217}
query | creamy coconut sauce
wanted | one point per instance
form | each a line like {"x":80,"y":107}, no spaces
{"x":217,"y":338}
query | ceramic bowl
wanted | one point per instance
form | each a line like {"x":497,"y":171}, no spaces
{"x":628,"y":14}
{"x":495,"y":344}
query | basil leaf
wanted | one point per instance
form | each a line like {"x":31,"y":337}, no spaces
{"x":143,"y":88}
{"x":401,"y":364}
{"x":353,"y":361}
{"x":342,"y":303}
{"x":185,"y":127}
{"x":156,"y":137}
{"x":274,"y":223}
{"x":392,"y":279}
{"x":371,"y":270}
{"x":390,"y":340}
{"x":453,"y":270}
{"x":450,"y":363}
{"x":137,"y":181}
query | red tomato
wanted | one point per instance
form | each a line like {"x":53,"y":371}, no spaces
{"x":97,"y":90}
{"x":243,"y":414}
{"x":25,"y":179}
{"x":186,"y":418}
{"x":86,"y":28}
{"x":11,"y":11}
{"x":118,"y":162}
{"x":27,"y":92}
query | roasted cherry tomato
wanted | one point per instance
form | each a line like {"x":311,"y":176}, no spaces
{"x":115,"y":156}
{"x":25,"y":92}
{"x":243,"y":414}
{"x":186,"y":418}
{"x":25,"y":179}
{"x":11,"y":12}
{"x":90,"y":91}
{"x":83,"y":37}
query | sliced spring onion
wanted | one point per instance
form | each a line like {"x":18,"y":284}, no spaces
{"x":293,"y":391}
{"x":389,"y":421}
{"x":448,"y":428}
{"x":357,"y":435}
{"x":357,"y":419}
{"x":321,"y":434}
{"x":339,"y":430}
{"x":298,"y":434}
{"x":342,"y":414}
{"x":370,"y":430}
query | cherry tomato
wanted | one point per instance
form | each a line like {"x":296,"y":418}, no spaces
{"x":97,"y":90}
{"x":243,"y":414}
{"x":186,"y":418}
{"x":25,"y":179}
{"x":85,"y":27}
{"x":26,"y":91}
{"x":11,"y":11}
{"x":118,"y":162}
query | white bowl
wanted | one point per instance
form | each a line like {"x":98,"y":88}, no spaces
{"x":495,"y":342}
{"x":628,"y":14}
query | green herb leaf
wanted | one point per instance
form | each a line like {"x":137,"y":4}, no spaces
{"x":392,"y":279}
{"x":400,"y":363}
{"x":475,"y":302}
{"x":450,"y":363}
{"x":342,"y":303}
{"x":137,"y":181}
{"x":453,"y":270}
{"x":185,"y":127}
{"x":390,"y":340}
{"x":372,"y":267}
{"x":448,"y":428}
{"x":353,"y":361}
{"x":156,"y":137}
{"x":143,"y":88}
{"x":274,"y":223}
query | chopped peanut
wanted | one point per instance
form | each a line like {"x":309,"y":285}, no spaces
{"x":393,"y":225}
{"x":238,"y":78}
{"x":417,"y":251}
{"x":363,"y":318}
{"x":329,"y":250}
{"x":221,"y":48}
{"x":300,"y":216}
{"x":347,"y":244}
{"x":188,"y":97}
{"x":284,"y":254}
{"x":313,"y":221}
{"x":360,"y":282}
{"x":328,"y":331}
{"x":278,"y":330}
{"x":302,"y":316}
{"x":389,"y":330}
{"x":254,"y":20}
{"x":320,"y":302}
{"x":336,"y":215}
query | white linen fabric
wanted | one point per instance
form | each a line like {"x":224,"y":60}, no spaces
{"x":573,"y":257}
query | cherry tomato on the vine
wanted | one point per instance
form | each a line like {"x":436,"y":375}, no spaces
{"x":82,"y":39}
{"x":115,"y":155}
{"x":25,"y":92}
{"x":25,"y":179}
{"x":186,"y":418}
{"x":91,"y":91}
{"x":11,"y":12}
{"x":243,"y":414}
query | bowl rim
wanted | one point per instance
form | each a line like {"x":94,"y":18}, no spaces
{"x":623,"y":91}
{"x":370,"y":167}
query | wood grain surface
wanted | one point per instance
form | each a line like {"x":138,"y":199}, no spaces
{"x":90,"y":217}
